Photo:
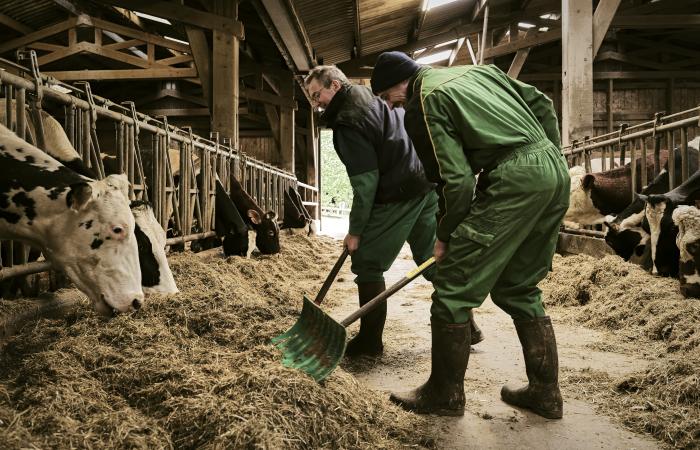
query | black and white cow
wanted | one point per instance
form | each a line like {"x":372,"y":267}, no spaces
{"x":267,"y":230}
{"x":296,"y":218}
{"x":82,"y":226}
{"x":658,"y":210}
{"x":687,"y":219}
{"x":156,"y":275}
{"x":238,"y":239}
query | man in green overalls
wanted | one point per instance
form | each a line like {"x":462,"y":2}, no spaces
{"x":498,"y":238}
{"x":393,"y":202}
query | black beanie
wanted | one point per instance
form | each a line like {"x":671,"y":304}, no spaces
{"x":391,"y":69}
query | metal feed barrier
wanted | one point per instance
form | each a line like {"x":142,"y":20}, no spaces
{"x":639,"y":141}
{"x":142,"y":149}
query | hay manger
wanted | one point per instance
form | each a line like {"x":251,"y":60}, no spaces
{"x":193,"y":370}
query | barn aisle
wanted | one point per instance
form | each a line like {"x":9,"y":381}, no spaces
{"x":489,"y":423}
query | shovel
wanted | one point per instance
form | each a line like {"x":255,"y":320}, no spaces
{"x":316,"y":342}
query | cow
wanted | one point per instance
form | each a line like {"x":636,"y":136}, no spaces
{"x":296,"y":218}
{"x":155,"y":270}
{"x":237,"y":238}
{"x":82,"y":226}
{"x":687,"y":219}
{"x":658,"y":210}
{"x":596,"y":196}
{"x":156,"y":276}
{"x":267,"y":230}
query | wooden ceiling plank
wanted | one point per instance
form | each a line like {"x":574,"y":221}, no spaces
{"x":646,"y":22}
{"x":14,"y":24}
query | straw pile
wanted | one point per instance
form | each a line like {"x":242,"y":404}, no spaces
{"x":194,"y":370}
{"x":612,"y":294}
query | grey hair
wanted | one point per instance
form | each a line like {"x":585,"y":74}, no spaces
{"x":325,"y":75}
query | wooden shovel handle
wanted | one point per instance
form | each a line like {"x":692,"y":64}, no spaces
{"x":331,"y":276}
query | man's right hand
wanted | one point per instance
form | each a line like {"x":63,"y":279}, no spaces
{"x":440,"y":250}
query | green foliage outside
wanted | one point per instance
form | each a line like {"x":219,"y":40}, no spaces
{"x":334,"y":180}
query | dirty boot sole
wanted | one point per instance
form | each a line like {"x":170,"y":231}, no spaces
{"x":512,"y":398}
{"x":408,"y":406}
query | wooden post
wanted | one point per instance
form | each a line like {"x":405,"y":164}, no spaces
{"x":225,"y":89}
{"x":287,"y":124}
{"x":608,"y":105}
{"x":670,"y":106}
{"x":577,"y":70}
{"x":311,"y":143}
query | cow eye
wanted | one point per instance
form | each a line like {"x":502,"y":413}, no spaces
{"x":271,"y":233}
{"x":117,"y":230}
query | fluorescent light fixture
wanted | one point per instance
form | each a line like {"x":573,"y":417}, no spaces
{"x":550,"y":16}
{"x":153,"y":18}
{"x":62,"y":89}
{"x":435,"y":57}
{"x":446,"y":43}
{"x":430,"y":4}
{"x":543,"y":29}
{"x":176,"y":40}
{"x":526,"y":25}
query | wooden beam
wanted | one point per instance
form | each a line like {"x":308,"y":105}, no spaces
{"x":172,"y":60}
{"x":184,"y":14}
{"x":358,"y":34}
{"x":620,"y":75}
{"x":662,"y":46}
{"x":512,"y":47}
{"x":519,"y":59}
{"x":607,"y":55}
{"x":176,"y":112}
{"x":577,"y":70}
{"x":471,"y":51}
{"x":38,"y":35}
{"x":455,"y":51}
{"x":132,"y":33}
{"x":126,"y":74}
{"x":418,"y":25}
{"x":266,"y":97}
{"x":124,"y":44}
{"x":648,"y":22}
{"x":478,"y":8}
{"x":602,"y":18}
{"x":15,"y":25}
{"x":202,"y":60}
{"x":485,"y":44}
{"x":292,"y":35}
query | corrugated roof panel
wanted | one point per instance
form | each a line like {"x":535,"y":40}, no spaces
{"x":35,"y":14}
{"x":330,"y":27}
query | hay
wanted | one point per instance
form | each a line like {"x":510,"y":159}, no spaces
{"x":612,"y":294}
{"x":609,"y":293}
{"x":194,"y":370}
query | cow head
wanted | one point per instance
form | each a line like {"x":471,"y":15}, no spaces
{"x":150,"y":237}
{"x":96,"y":245}
{"x":581,"y":208}
{"x":629,"y":238}
{"x":664,"y":252}
{"x":267,"y":237}
{"x":687,"y":218}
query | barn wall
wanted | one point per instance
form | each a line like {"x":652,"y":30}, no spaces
{"x":261,"y":148}
{"x":631,"y":105}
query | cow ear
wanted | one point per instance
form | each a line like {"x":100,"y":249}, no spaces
{"x":642,"y":197}
{"x":120,"y":182}
{"x":78,"y":196}
{"x":254,"y":216}
{"x":588,"y":181}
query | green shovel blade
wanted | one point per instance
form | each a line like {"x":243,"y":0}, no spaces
{"x":315,"y":344}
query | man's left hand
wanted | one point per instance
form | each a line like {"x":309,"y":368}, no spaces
{"x":352,"y":242}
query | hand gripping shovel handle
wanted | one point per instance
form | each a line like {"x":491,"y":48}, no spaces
{"x":376,"y":301}
{"x":331,"y":276}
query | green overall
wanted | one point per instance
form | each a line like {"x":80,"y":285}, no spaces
{"x":502,"y":235}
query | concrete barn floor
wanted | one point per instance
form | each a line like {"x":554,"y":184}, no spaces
{"x":488,"y":423}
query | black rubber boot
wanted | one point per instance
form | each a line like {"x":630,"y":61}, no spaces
{"x":443,"y":393}
{"x":477,"y":335}
{"x":369,"y":340}
{"x":542,"y":394}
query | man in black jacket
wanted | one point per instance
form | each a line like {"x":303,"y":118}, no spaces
{"x":393,"y":202}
